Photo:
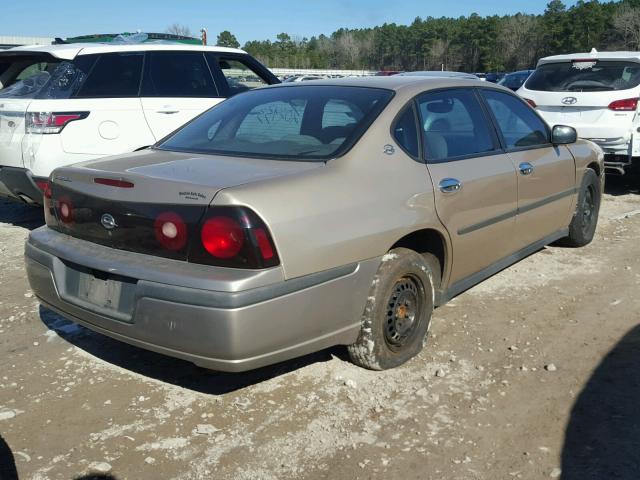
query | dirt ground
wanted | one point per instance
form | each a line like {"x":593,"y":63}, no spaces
{"x":533,"y":374}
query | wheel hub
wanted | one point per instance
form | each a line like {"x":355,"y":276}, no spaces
{"x":402,"y":312}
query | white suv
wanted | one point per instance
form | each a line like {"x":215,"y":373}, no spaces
{"x":596,"y":93}
{"x":62,"y":104}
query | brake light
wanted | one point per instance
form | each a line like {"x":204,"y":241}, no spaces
{"x":50,"y":122}
{"x":170,"y":230}
{"x":233,"y":237}
{"x":112,"y":182}
{"x":264,"y":244}
{"x":530,"y":102}
{"x":45,"y":187}
{"x":222,"y":237}
{"x":625,"y":105}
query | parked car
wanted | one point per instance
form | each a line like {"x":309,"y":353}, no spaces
{"x":300,"y":216}
{"x":62,"y":104}
{"x":303,"y":78}
{"x":515,"y":80}
{"x":438,"y":73}
{"x":387,"y":73}
{"x":494,"y":77}
{"x":597,"y":94}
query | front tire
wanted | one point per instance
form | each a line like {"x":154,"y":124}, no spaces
{"x":398,"y":312}
{"x":583,"y":225}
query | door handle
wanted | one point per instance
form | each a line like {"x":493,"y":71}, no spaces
{"x":167,"y":112}
{"x":449,"y":185}
{"x":525,"y":168}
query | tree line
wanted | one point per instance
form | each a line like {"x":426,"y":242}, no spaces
{"x":472,"y":43}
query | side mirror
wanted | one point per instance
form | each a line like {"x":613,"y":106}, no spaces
{"x":563,"y":135}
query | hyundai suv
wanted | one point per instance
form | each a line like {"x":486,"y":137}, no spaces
{"x":597,"y":94}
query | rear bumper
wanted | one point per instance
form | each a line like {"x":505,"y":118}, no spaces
{"x":18,"y":184}
{"x":228,"y":320}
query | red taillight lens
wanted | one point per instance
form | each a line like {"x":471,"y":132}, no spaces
{"x":233,"y":237}
{"x":530,"y":102}
{"x":50,"y":122}
{"x":170,"y":231}
{"x":625,"y":105}
{"x":45,"y":187}
{"x":113,"y":182}
{"x":222,"y":237}
{"x":264,"y":244}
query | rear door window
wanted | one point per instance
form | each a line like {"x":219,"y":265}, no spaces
{"x":177,"y":74}
{"x":405,"y":132}
{"x":236,"y":75}
{"x":454,"y":125}
{"x":114,"y":75}
{"x":519,"y":125}
{"x":585,"y":76}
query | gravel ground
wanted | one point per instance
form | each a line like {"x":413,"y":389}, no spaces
{"x":533,"y":374}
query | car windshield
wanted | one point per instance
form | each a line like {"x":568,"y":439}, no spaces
{"x":305,"y":122}
{"x":585,"y":76}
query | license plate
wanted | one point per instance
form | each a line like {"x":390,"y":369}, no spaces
{"x":103,"y":293}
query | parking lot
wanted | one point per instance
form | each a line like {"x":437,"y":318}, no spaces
{"x":533,"y":371}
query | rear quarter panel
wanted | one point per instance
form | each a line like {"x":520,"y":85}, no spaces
{"x":587,"y":155}
{"x":354,"y":208}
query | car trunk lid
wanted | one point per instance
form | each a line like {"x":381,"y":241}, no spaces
{"x":117,"y":201}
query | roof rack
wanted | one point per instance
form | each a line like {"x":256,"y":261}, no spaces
{"x":135,"y":37}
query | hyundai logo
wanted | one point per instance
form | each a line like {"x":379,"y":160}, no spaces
{"x":569,"y":100}
{"x":108,"y":221}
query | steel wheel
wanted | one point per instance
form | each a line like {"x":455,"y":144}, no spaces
{"x":588,"y":208}
{"x":404,"y":311}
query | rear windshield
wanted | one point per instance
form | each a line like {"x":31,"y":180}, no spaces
{"x":585,"y":76}
{"x":24,"y":75}
{"x":295,"y":122}
{"x":513,"y":80}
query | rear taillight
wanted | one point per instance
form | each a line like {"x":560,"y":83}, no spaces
{"x":530,"y":102}
{"x":233,"y":237}
{"x":50,"y":122}
{"x":222,"y":237}
{"x":625,"y":105}
{"x":171,"y":231}
{"x":44,"y":186}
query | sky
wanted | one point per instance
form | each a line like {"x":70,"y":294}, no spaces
{"x":247,"y":20}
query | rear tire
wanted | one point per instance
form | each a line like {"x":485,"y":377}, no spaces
{"x":398,"y":312}
{"x":583,"y":225}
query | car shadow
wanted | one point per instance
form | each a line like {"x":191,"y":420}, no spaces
{"x":172,"y":370}
{"x":602,"y":439}
{"x":8,"y":470}
{"x":21,"y":215}
{"x":617,"y":185}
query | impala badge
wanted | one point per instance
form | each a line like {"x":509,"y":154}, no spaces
{"x":108,"y":221}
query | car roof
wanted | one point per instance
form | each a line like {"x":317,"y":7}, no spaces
{"x":595,"y":55}
{"x":71,"y":50}
{"x":410,"y":85}
{"x":438,"y":73}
